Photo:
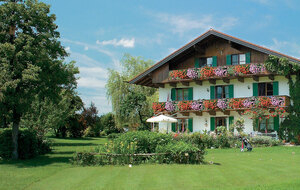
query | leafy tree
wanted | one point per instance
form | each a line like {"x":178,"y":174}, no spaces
{"x":122,"y":94}
{"x":31,"y":60}
{"x":108,"y":123}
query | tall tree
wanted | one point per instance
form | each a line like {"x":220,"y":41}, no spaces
{"x":31,"y":59}
{"x":126,"y":98}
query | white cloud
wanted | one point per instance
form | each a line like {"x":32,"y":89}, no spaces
{"x":68,"y":49}
{"x":183,"y":23}
{"x":289,"y":48}
{"x":127,"y":43}
{"x":86,"y":48}
{"x":91,"y":82}
{"x":95,"y":72}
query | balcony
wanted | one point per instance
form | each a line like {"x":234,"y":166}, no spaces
{"x":224,"y":105}
{"x":225,"y":73}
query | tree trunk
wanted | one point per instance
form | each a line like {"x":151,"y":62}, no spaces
{"x":15,"y":135}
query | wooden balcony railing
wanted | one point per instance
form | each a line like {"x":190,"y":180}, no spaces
{"x":224,"y":105}
{"x":220,"y":72}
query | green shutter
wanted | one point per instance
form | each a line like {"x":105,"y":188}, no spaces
{"x":231,"y":91}
{"x":197,"y":65}
{"x":212,"y":92}
{"x":214,"y":63}
{"x":212,"y":124}
{"x":231,"y":118}
{"x":190,"y":93}
{"x":248,"y":57}
{"x":255,"y":126}
{"x":173,"y":94}
{"x":174,"y":127}
{"x":275,"y":88}
{"x":228,"y":59}
{"x":276,"y":123}
{"x":190,"y":123}
{"x":255,"y":89}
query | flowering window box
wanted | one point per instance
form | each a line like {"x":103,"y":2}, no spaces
{"x":218,"y":72}
{"x":277,"y":102}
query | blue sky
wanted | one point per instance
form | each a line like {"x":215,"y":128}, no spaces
{"x":98,"y":33}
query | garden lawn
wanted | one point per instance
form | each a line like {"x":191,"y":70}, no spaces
{"x":264,"y":168}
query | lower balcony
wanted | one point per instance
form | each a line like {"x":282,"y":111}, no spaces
{"x":224,"y":105}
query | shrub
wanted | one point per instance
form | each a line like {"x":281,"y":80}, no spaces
{"x":264,"y":141}
{"x":113,"y":135}
{"x":84,"y":159}
{"x":146,"y":141}
{"x":180,"y":152}
{"x":29,"y":145}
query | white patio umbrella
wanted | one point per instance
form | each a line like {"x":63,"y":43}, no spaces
{"x":163,"y":119}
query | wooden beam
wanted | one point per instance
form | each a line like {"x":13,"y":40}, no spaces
{"x":161,"y":85}
{"x":271,"y":77}
{"x":256,"y":78}
{"x":212,"y":112}
{"x":199,"y":82}
{"x":198,"y":113}
{"x":241,"y":79}
{"x":148,"y":83}
{"x":212,"y":81}
{"x":226,"y":80}
{"x":173,"y":84}
{"x":185,"y":113}
{"x":226,"y":112}
{"x":185,"y":83}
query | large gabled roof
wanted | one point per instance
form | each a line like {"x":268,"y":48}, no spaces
{"x":202,"y":37}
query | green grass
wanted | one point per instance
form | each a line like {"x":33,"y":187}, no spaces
{"x":264,"y":168}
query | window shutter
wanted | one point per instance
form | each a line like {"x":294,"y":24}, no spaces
{"x":231,"y":91}
{"x":190,"y":123}
{"x":197,"y":65}
{"x":228,"y":59}
{"x":212,"y":124}
{"x":214,"y":63}
{"x":174,"y":127}
{"x":255,"y":89}
{"x":231,"y":118}
{"x":275,"y":88}
{"x":255,"y":127}
{"x":212,"y":92}
{"x":190,"y":93}
{"x":276,"y":123}
{"x":248,"y":57}
{"x":173,"y":94}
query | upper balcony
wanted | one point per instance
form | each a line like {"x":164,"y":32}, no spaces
{"x":224,"y":105}
{"x":225,"y":73}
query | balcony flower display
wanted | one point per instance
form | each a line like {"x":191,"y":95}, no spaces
{"x":222,"y":104}
{"x":210,"y":104}
{"x":249,"y":102}
{"x":207,"y":72}
{"x":264,"y":101}
{"x":184,"y":105}
{"x":158,"y":107}
{"x":241,"y":69}
{"x":277,"y":101}
{"x":257,"y":68}
{"x":192,"y":73}
{"x":178,"y":74}
{"x":170,"y":106}
{"x":197,"y":105}
{"x":221,"y":71}
{"x":236,"y":103}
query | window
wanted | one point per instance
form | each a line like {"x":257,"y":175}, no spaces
{"x":206,"y":62}
{"x":266,"y":125}
{"x":265,"y":89}
{"x":182,"y":125}
{"x":238,"y":59}
{"x":221,"y":92}
{"x":220,"y":121}
{"x":182,"y":94}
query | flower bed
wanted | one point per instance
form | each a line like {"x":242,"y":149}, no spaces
{"x":221,"y":71}
{"x":221,"y":104}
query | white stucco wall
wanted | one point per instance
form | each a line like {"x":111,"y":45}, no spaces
{"x":201,"y":123}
